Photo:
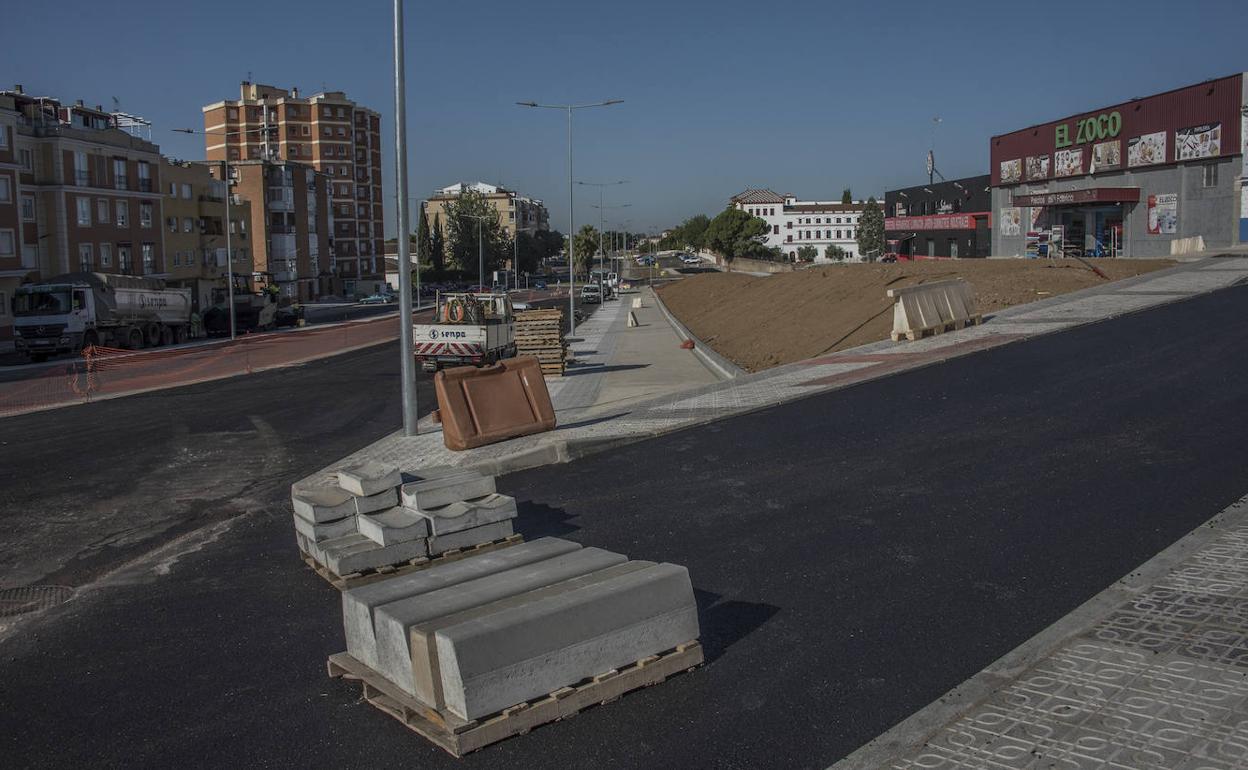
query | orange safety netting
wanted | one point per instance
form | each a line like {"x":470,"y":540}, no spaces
{"x":100,"y":372}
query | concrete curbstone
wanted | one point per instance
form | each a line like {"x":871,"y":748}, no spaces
{"x":369,"y":477}
{"x":324,"y":531}
{"x":321,"y":504}
{"x":425,"y":666}
{"x":436,"y":492}
{"x":492,"y":662}
{"x":355,"y":552}
{"x":393,"y":525}
{"x":392,"y":621}
{"x":379,"y":502}
{"x":467,"y":514}
{"x":465,"y":538}
{"x":359,"y":604}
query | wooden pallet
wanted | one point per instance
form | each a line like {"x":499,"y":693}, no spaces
{"x":932,"y":331}
{"x":539,"y":333}
{"x":357,"y":579}
{"x":459,"y":737}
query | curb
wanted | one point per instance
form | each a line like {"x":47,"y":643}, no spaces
{"x":720,"y":366}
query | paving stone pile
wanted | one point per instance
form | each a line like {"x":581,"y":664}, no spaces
{"x":475,"y":636}
{"x":374,"y":516}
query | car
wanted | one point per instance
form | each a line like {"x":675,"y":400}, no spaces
{"x":591,"y":294}
{"x":689,"y":259}
{"x":539,"y":285}
{"x":378,"y":299}
{"x":889,"y":257}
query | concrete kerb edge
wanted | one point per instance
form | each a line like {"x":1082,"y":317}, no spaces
{"x":720,"y":366}
{"x":913,"y":732}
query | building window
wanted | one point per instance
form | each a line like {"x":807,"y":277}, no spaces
{"x":149,"y":258}
{"x":7,"y":243}
{"x":4,"y":137}
{"x":188,"y":224}
{"x":1211,"y":175}
{"x":173,"y":189}
{"x":120,"y":179}
{"x":26,"y":159}
{"x":232,"y":113}
{"x":101,"y":212}
{"x":123,"y":259}
{"x":327,"y":130}
{"x":81,"y":176}
{"x":145,"y":215}
{"x":84,"y":212}
{"x":145,"y":177}
{"x":172,"y":224}
{"x":123,"y":214}
{"x":28,"y":208}
{"x":186,"y":192}
{"x":84,"y":257}
{"x":106,"y":255}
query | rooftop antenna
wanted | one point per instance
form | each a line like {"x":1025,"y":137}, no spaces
{"x":931,"y":154}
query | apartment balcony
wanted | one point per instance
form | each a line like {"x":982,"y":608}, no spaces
{"x":285,"y":276}
{"x":282,"y":247}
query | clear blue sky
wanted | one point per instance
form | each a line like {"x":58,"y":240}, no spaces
{"x":802,"y":97}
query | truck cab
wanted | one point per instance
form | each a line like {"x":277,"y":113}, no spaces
{"x":51,"y":318}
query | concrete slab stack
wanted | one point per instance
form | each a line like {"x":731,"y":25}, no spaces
{"x":374,"y":518}
{"x":473,"y":639}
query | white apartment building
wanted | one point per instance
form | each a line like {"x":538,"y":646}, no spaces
{"x":795,"y":223}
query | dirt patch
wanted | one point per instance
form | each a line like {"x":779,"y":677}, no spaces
{"x":765,"y":322}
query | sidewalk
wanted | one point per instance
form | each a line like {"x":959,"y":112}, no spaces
{"x":592,"y":419}
{"x":1152,"y":672}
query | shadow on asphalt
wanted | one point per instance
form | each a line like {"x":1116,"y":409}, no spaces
{"x":726,"y":623}
{"x":536,"y":520}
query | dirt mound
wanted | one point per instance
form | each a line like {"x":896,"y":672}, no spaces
{"x":763,"y":322}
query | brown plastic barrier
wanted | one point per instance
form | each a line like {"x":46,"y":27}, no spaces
{"x":485,"y":405}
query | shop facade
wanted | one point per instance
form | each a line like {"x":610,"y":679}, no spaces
{"x":1150,"y":177}
{"x":944,"y":219}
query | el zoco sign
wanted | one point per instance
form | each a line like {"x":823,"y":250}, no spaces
{"x":1103,"y":126}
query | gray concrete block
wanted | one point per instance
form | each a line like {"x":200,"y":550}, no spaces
{"x":355,"y":553}
{"x":518,"y":653}
{"x":387,"y":498}
{"x":435,"y":492}
{"x":369,"y":478}
{"x":324,"y":531}
{"x":393,"y":525}
{"x":322,"y":504}
{"x":425,"y":668}
{"x":392,"y":621}
{"x":358,"y":604}
{"x":469,"y":537}
{"x":467,"y":514}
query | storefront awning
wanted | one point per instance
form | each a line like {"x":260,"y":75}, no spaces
{"x":1079,"y":197}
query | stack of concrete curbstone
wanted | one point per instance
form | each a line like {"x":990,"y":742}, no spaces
{"x":371,"y":519}
{"x":476,"y":637}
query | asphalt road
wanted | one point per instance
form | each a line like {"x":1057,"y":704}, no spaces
{"x":855,"y":554}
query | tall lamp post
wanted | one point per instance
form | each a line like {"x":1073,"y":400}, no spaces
{"x":480,"y":250}
{"x":407,"y":361}
{"x":601,"y":225}
{"x":571,"y":220}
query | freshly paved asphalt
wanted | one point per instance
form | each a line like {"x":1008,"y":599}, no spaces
{"x":856,"y":555}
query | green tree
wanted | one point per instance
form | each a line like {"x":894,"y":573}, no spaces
{"x":847,"y":197}
{"x":871,"y":231}
{"x":437,"y":245}
{"x":807,"y":253}
{"x":468,"y":216}
{"x":423,"y":242}
{"x":688,"y":234}
{"x":733,"y":233}
{"x":834,"y":252}
{"x":586,"y":247}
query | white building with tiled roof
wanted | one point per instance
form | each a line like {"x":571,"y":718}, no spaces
{"x":794,"y":223}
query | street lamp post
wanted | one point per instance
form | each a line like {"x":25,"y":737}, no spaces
{"x":600,"y":186}
{"x":480,"y":250}
{"x":406,"y":341}
{"x":601,"y":225}
{"x":571,"y":220}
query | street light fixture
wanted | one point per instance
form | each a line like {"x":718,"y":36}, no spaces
{"x":600,"y":186}
{"x":571,"y":222}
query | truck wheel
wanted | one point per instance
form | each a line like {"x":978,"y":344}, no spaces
{"x":166,"y":336}
{"x":179,"y":335}
{"x":151,"y":335}
{"x":90,"y":340}
{"x":133,"y":339}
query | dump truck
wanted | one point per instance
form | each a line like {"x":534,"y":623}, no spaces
{"x":468,"y":330}
{"x":70,"y":312}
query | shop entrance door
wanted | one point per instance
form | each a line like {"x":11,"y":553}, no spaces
{"x":1108,"y":232}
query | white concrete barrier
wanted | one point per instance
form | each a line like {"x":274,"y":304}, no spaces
{"x":637,"y":303}
{"x":932,"y":308}
{"x":1180,"y":246}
